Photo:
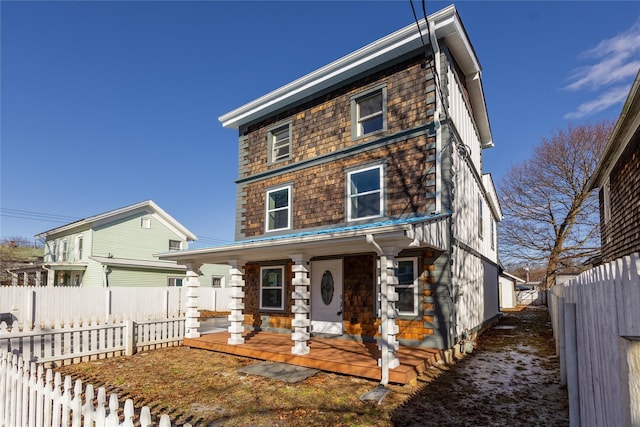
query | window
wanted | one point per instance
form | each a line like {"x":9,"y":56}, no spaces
{"x":493,"y":234}
{"x":280,"y":143}
{"x":407,"y":287}
{"x":78,"y":252}
{"x":368,"y":112}
{"x":174,"y":281}
{"x":217,"y":281}
{"x":52,"y":253}
{"x":365,"y":198}
{"x":64,"y":251}
{"x":480,"y":216}
{"x":175,"y":245}
{"x":272,"y":288}
{"x":145,"y":222}
{"x":278,"y":209}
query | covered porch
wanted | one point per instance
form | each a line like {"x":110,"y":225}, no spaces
{"x":341,"y":356}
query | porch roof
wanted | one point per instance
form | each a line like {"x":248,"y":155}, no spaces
{"x":139,"y":263}
{"x":424,"y":231}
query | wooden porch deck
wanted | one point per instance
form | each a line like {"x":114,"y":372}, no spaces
{"x":336,"y":355}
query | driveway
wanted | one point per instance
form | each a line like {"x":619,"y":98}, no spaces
{"x":511,"y":378}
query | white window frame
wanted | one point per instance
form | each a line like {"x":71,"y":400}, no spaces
{"x":493,"y":233}
{"x":53,"y":254}
{"x":380,"y":189}
{"x":415,"y":285}
{"x":173,"y":280}
{"x":357,"y":130}
{"x":175,"y":241}
{"x":480,"y":217}
{"x":267,"y":223}
{"x":274,"y":144}
{"x":282,"y":287}
{"x":218,"y":277}
{"x":78,"y":248}
{"x":145,"y":222}
{"x":64,"y":250}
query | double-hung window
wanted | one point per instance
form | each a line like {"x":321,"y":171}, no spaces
{"x":272,"y":288}
{"x":368,"y":112}
{"x":365,"y":195}
{"x":408,"y":286}
{"x":175,"y":245}
{"x":280,"y":143}
{"x":278,"y":209}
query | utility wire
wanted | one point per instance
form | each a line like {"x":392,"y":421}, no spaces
{"x":37,"y":216}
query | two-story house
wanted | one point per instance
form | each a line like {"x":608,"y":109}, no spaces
{"x":362,"y":208}
{"x":115,"y":248}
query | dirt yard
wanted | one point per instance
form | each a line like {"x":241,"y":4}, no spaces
{"x":511,"y":378}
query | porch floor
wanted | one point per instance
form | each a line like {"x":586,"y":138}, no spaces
{"x":336,"y":355}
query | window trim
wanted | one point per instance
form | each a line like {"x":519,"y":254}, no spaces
{"x":222,"y":281}
{"x":355,"y":115}
{"x":145,"y":222}
{"x":415,"y":285}
{"x":381,"y":189}
{"x":174,"y":279}
{"x":271,"y":136}
{"x":289,"y":188}
{"x":480,"y":217}
{"x":78,"y":247}
{"x":282,"y":287}
{"x":179,"y":242}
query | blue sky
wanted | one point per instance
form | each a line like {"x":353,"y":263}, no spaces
{"x":106,"y":104}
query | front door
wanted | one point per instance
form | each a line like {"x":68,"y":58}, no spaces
{"x":326,"y":297}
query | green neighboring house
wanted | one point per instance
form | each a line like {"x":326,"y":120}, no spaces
{"x":117,"y":248}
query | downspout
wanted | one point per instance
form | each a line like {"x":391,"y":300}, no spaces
{"x":436,"y":118}
{"x":50,"y":275}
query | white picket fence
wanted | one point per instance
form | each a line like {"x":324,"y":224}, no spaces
{"x":30,"y":397}
{"x":71,"y":342}
{"x":32,"y":305}
{"x":596,"y":324}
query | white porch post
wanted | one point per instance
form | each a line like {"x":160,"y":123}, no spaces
{"x":193,"y":284}
{"x":38,"y":277}
{"x":388,"y":328}
{"x":236,"y":305}
{"x":300,"y":309}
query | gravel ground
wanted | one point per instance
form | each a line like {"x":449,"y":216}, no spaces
{"x":510,"y":379}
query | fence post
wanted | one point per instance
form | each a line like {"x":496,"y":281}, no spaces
{"x":107,"y":300}
{"x":31,"y":309}
{"x":165,"y":306}
{"x":129,"y":331}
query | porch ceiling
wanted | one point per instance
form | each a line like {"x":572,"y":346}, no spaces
{"x":397,"y":234}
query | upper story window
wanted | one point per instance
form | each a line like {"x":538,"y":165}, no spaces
{"x":278,"y":209}
{"x":279,"y":143}
{"x":493,"y":234}
{"x":480,"y":218}
{"x":175,"y":245}
{"x":78,"y":248}
{"x":369,"y":112}
{"x":53,"y":255}
{"x":272,"y":288}
{"x":365,"y":194}
{"x":64,"y":251}
{"x":407,"y":287}
{"x":145,"y":222}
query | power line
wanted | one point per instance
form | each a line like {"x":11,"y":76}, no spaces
{"x":17,"y":213}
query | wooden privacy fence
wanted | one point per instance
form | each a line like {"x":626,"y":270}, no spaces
{"x":31,"y":305}
{"x":30,"y":397}
{"x":596,"y":324}
{"x":76,"y":342}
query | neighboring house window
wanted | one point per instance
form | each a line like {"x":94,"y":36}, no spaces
{"x":52,"y":252}
{"x":76,"y":279}
{"x":407,"y":287}
{"x":64,"y":251}
{"x":365,"y":195}
{"x":174,"y":281}
{"x":480,"y":219}
{"x":280,"y":143}
{"x":368,"y":112}
{"x":145,"y":222}
{"x":78,"y":252}
{"x":278,"y":209}
{"x":175,"y":245}
{"x":217,"y":281}
{"x":272,"y":288}
{"x":606,"y":200}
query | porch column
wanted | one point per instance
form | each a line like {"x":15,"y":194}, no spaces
{"x":300,"y":309}
{"x":193,"y":284}
{"x":38,"y":277}
{"x":236,"y":305}
{"x":388,"y":328}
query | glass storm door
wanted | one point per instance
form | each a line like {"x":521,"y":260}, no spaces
{"x":326,"y":297}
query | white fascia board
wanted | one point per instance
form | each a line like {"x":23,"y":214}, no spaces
{"x":446,"y":22}
{"x":494,"y":202}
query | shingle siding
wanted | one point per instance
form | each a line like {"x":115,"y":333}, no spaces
{"x":621,"y":235}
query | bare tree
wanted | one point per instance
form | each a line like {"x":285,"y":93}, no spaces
{"x":550,"y":215}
